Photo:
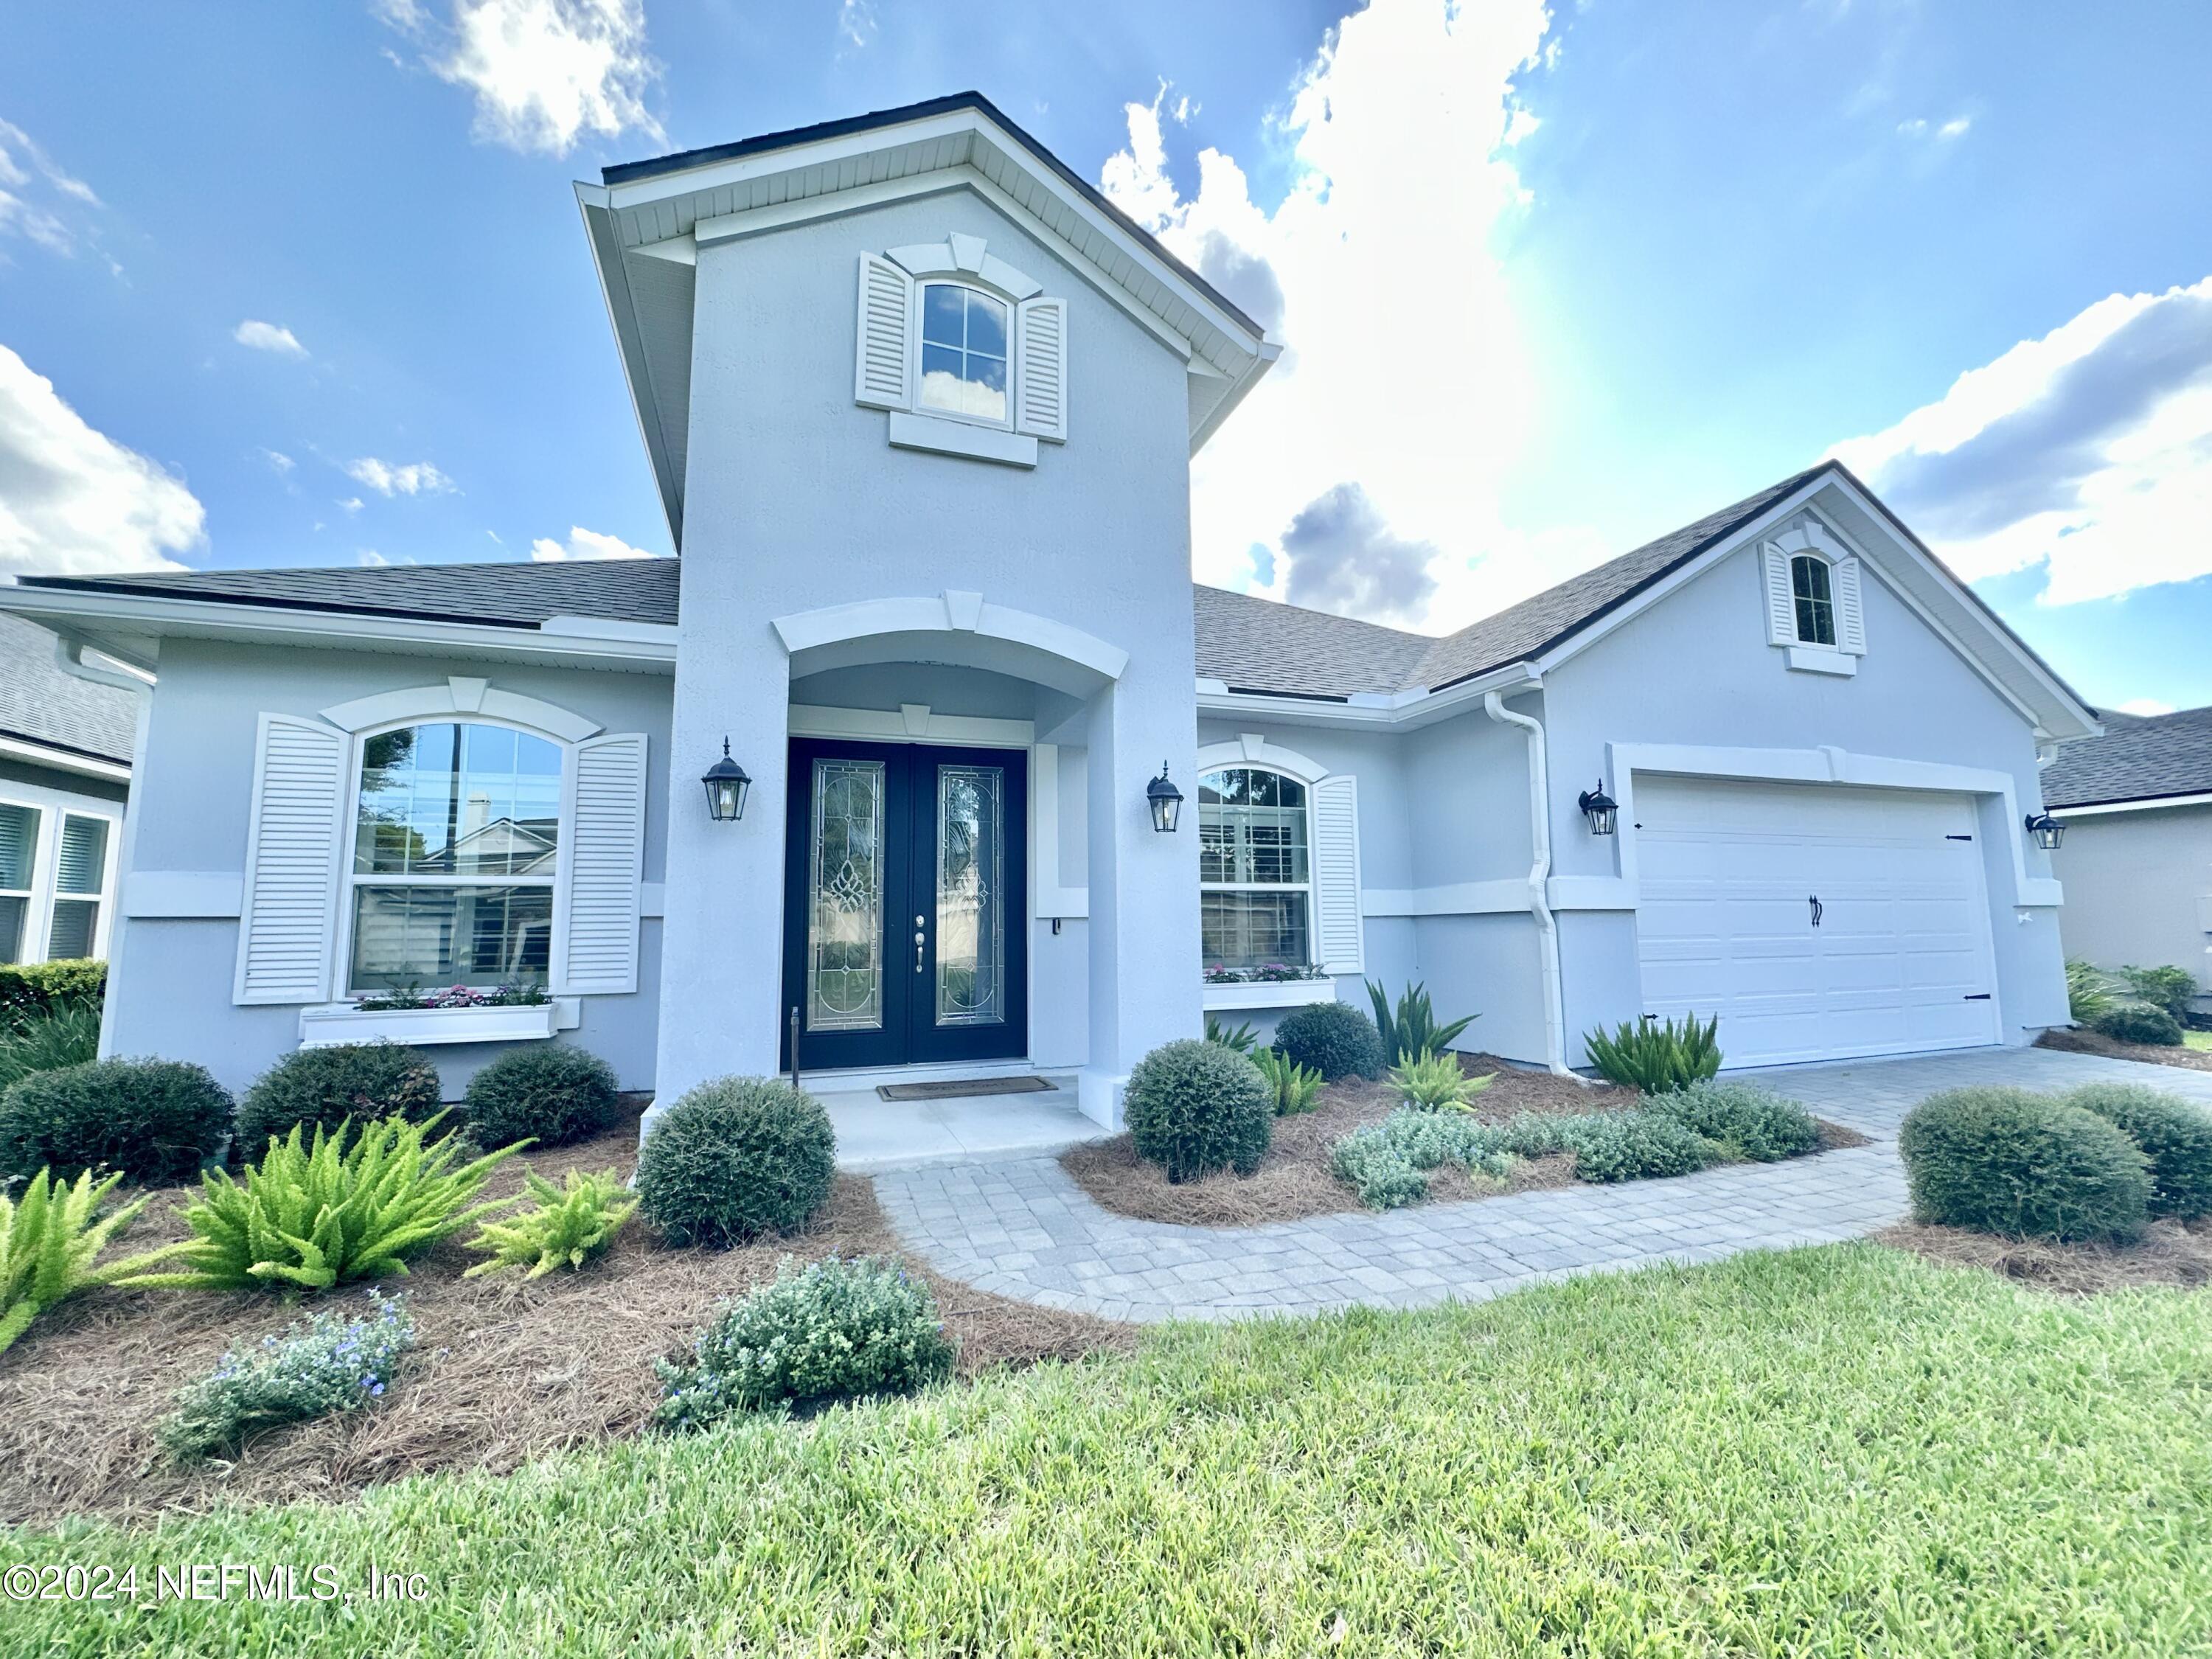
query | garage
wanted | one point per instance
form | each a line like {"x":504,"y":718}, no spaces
{"x":1818,"y":921}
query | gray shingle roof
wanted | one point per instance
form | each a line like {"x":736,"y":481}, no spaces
{"x":41,"y":704}
{"x":2134,"y":760}
{"x":1257,"y":645}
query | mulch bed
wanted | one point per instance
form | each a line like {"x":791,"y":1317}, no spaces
{"x":2171,"y":1253}
{"x":2082,"y":1040}
{"x":503,"y":1372}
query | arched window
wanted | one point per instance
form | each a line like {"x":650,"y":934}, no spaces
{"x":456,"y":843}
{"x":1256,"y":883}
{"x":964,"y":353}
{"x":1810,"y":589}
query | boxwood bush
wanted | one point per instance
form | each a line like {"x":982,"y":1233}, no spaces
{"x":1334,"y":1038}
{"x":1196,"y":1107}
{"x":736,"y":1159}
{"x":38,"y":987}
{"x":2174,"y":1134}
{"x":1745,"y":1120}
{"x":2139,"y":1022}
{"x":2022,"y":1165}
{"x":545,"y":1091}
{"x":154,"y":1120}
{"x":324,"y":1087}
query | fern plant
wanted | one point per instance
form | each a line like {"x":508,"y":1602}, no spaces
{"x":569,"y":1225}
{"x":1656,"y":1056}
{"x":1410,"y":1030}
{"x":49,"y":1244}
{"x":1435,"y":1082}
{"x":1296,"y":1086}
{"x":316,"y":1216}
{"x":1239,"y":1039}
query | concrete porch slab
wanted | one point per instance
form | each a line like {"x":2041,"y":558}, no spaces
{"x":874,"y":1135}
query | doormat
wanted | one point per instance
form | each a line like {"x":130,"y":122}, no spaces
{"x":988,"y":1085}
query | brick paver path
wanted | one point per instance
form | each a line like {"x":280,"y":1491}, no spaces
{"x":1021,"y":1228}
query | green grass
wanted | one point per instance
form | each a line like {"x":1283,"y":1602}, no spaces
{"x":1823,"y":1452}
{"x":2196,"y":1039}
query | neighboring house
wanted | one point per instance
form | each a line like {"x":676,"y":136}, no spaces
{"x":2137,"y":856}
{"x":66,"y":731}
{"x":921,"y":405}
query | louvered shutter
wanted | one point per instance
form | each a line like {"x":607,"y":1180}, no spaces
{"x":293,"y":838}
{"x":605,"y":863}
{"x":1340,"y":937}
{"x":1041,"y":353}
{"x":1781,"y":609}
{"x":880,"y":368}
{"x":1851,"y":621}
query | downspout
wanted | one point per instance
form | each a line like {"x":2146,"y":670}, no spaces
{"x":1540,"y":877}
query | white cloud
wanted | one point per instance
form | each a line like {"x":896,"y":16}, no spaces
{"x":1377,"y":273}
{"x":350,"y":504}
{"x":279,"y":460}
{"x":1918,"y":127}
{"x":1955,"y":128}
{"x":2088,"y":451}
{"x":583,"y":543}
{"x":544,"y":72}
{"x":73,"y":502}
{"x":856,"y":21}
{"x":369,"y":556}
{"x":2145,"y":706}
{"x":416,"y":479}
{"x":38,"y":196}
{"x":268,"y":336}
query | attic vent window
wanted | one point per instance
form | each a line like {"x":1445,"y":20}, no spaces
{"x":1814,"y":600}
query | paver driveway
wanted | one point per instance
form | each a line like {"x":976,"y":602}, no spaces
{"x":1021,"y":1227}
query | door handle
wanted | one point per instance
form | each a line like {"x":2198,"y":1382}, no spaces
{"x":917,"y":944}
{"x":1819,"y":909}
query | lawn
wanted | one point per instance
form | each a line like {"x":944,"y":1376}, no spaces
{"x":1829,"y":1451}
{"x":2197,"y":1040}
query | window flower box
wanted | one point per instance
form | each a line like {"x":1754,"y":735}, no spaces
{"x":1266,"y":993}
{"x":332,"y":1023}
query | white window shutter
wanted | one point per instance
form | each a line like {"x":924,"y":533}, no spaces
{"x":880,"y":366}
{"x":1781,"y":605}
{"x":1340,"y":935}
{"x":292,"y":845}
{"x":1851,"y":621}
{"x":605,"y":864}
{"x":1041,"y":358}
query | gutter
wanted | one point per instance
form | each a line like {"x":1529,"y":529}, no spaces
{"x":1540,"y":877}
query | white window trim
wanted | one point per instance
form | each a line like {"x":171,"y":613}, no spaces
{"x":53,"y":806}
{"x":1236,"y":758}
{"x":1834,"y":621}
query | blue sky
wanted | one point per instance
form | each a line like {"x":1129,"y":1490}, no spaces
{"x":306,"y":285}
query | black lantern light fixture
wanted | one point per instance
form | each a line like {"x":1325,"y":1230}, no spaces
{"x":1599,"y":808}
{"x":726,"y":784}
{"x":2047,"y":831}
{"x":1165,"y":800}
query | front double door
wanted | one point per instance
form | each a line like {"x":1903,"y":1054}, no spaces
{"x":905,"y":904}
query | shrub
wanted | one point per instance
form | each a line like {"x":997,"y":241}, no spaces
{"x":550,"y":1092}
{"x":1635,"y":1146}
{"x":2170,"y":988}
{"x":836,"y":1330}
{"x":50,"y":1246}
{"x":1746,"y":1120}
{"x":34,"y":989}
{"x":1654,"y":1056}
{"x":2139,"y":1022}
{"x":2022,"y":1165}
{"x":319,"y":1365}
{"x":69,"y":1035}
{"x":1435,"y":1082}
{"x":1296,"y":1087}
{"x":567,"y":1227}
{"x":1368,"y":1161}
{"x":1334,"y":1038}
{"x":2174,"y":1134}
{"x":322,"y":1088}
{"x":736,"y":1159}
{"x":155,"y":1120}
{"x":1384,"y":1161}
{"x":1195,"y":1106}
{"x":1238,"y":1039}
{"x":2090,"y":991}
{"x":1413,"y":1031}
{"x":318,"y":1216}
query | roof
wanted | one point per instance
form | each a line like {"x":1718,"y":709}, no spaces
{"x":2137,"y":759}
{"x":1253,"y":644}
{"x":40,"y":704}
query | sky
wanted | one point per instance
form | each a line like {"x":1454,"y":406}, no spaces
{"x":287,"y":284}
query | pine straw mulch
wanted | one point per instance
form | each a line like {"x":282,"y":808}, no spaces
{"x":503,"y":1372}
{"x":2081,"y":1039}
{"x":2171,"y":1253}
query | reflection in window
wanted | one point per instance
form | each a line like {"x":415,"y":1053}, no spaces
{"x":1816,"y":607}
{"x":1256,"y":891}
{"x":964,"y":352}
{"x":19,"y":852}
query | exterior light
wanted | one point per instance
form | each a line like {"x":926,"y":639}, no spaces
{"x":2047,"y":831}
{"x":1599,"y":808}
{"x":1165,"y":800}
{"x":726,"y":784}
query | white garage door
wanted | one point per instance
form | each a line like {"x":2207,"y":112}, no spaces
{"x":1817,"y":921}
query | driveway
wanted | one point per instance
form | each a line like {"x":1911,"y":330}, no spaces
{"x":1020,"y":1227}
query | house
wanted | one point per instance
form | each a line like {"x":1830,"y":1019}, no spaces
{"x":1001,"y":793}
{"x":66,"y":732}
{"x":2138,"y":855}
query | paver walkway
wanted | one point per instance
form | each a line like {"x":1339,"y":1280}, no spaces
{"x":1022,"y":1228}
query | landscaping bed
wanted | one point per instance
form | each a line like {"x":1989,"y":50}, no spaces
{"x":2170,"y":1253}
{"x":2081,"y":1040}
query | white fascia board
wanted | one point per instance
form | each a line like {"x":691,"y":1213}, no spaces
{"x":603,"y":237}
{"x":1403,"y":711}
{"x":63,"y":760}
{"x":2101,"y":808}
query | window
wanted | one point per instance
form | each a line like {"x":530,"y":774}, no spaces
{"x":963,"y":353}
{"x":1255,"y":893}
{"x":19,"y":855}
{"x":80,"y":879}
{"x":455,"y":847}
{"x":1815,"y":601}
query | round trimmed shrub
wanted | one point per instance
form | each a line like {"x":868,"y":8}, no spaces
{"x":2174,"y":1134}
{"x":1746,"y":1120}
{"x":547,"y":1092}
{"x":2139,"y":1022}
{"x":1334,"y":1038}
{"x":363,"y":1081}
{"x":736,"y":1159}
{"x":1196,"y":1107}
{"x":2023,"y":1165}
{"x":156,"y":1120}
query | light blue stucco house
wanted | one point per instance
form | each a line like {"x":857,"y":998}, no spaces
{"x":920,"y":406}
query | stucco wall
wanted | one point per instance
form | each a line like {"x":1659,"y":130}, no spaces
{"x":2139,"y":888}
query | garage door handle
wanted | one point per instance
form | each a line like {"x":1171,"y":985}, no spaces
{"x":1818,"y":910}
{"x":1978,"y":996}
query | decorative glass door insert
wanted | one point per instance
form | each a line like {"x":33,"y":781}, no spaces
{"x":845,"y":898}
{"x":971,"y":929}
